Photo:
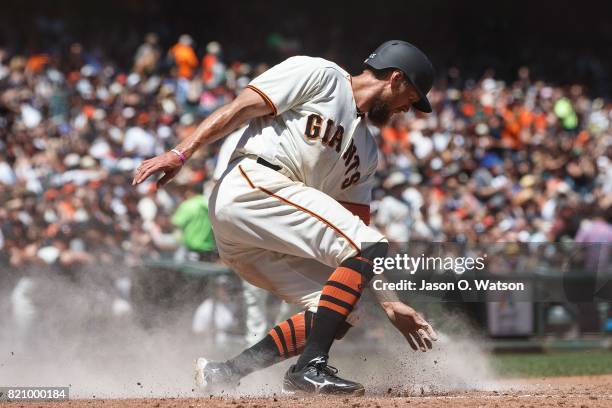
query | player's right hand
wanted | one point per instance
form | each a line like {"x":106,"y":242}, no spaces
{"x":168,"y":162}
{"x":411,"y":324}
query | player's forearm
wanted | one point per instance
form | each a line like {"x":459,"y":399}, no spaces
{"x":220,"y":123}
{"x":223,"y":121}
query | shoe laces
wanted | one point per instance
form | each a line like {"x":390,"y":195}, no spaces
{"x":320,"y":364}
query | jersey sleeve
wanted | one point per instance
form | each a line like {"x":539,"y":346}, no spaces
{"x":288,"y":84}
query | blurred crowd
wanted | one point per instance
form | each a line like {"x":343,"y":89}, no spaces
{"x":525,"y":161}
{"x":72,"y":131}
{"x":497,"y":162}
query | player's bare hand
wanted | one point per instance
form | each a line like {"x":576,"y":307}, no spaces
{"x":415,"y":329}
{"x":169,"y":163}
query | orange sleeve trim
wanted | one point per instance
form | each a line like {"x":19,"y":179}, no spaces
{"x":360,"y":210}
{"x":299,"y":207}
{"x":265,"y":98}
{"x":246,"y":177}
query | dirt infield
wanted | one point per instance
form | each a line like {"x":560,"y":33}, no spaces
{"x":580,"y":392}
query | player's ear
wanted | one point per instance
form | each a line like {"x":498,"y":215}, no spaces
{"x":397,"y":78}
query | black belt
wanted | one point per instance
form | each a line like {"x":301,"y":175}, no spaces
{"x":268,"y":164}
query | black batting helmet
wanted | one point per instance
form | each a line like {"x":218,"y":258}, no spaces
{"x":411,"y":61}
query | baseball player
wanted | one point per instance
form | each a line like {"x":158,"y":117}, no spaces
{"x":291,"y":212}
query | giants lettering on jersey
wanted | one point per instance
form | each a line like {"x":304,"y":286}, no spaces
{"x":332,"y":138}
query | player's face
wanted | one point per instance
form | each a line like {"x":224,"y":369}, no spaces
{"x":398,"y":95}
{"x":403,"y":94}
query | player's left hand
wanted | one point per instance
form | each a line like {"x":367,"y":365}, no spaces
{"x":415,"y":329}
{"x":168,"y":163}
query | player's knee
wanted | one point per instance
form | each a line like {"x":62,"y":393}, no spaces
{"x":364,"y":261}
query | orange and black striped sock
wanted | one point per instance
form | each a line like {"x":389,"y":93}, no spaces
{"x":342,"y":291}
{"x":338,"y":297}
{"x":290,"y":336}
{"x":284,"y":340}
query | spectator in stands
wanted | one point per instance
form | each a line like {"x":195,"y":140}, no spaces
{"x":597,"y":231}
{"x":191,"y":217}
{"x":147,"y":56}
{"x":185,"y":62}
{"x":184,"y":57}
{"x":213,"y":69}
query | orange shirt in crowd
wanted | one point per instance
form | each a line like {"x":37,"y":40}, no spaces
{"x":37,"y":62}
{"x":539,"y":121}
{"x":185,"y":59}
{"x":581,"y":139}
{"x":208,"y":62}
{"x":393,"y":137}
{"x":514,"y":122}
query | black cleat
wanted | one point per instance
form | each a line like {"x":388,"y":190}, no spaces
{"x":319,"y":378}
{"x":215,"y":376}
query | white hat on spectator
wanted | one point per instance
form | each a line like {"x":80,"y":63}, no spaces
{"x":55,"y":76}
{"x":213,"y":47}
{"x":48,"y":254}
{"x":185,"y":39}
{"x":187,"y":119}
{"x":523,"y":236}
{"x":30,"y":116}
{"x":415,"y":178}
{"x":563,"y":188}
{"x":87,"y":162}
{"x":72,"y":160}
{"x":168,"y":106}
{"x":128,"y":112}
{"x":133,"y":79}
{"x":115,"y":134}
{"x":88,"y":70}
{"x":436,"y":163}
{"x":164,"y":132}
{"x":127,"y":164}
{"x":395,"y":179}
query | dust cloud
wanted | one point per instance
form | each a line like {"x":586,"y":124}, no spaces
{"x":57,"y":333}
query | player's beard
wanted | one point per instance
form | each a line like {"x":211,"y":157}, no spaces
{"x":379,"y":113}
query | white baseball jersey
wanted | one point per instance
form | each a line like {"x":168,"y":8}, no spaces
{"x":285,"y":231}
{"x":315,"y":131}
